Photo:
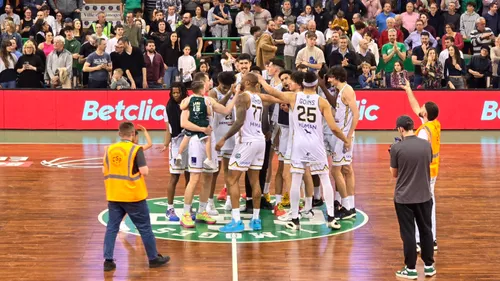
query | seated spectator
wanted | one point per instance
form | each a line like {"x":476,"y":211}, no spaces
{"x":481,"y":36}
{"x":205,"y":68}
{"x":399,"y":75}
{"x":450,"y":31}
{"x":365,"y":55}
{"x":479,"y":69}
{"x":98,"y":64}
{"x":372,"y":45}
{"x":170,"y":51}
{"x":26,"y":23}
{"x":414,"y":40}
{"x":367,"y":80}
{"x":13,"y":48}
{"x":99,"y":31}
{"x":432,"y":70}
{"x":495,"y":60}
{"x":118,"y":82}
{"x":10,"y":33}
{"x":9,"y":13}
{"x":8,"y":62}
{"x":59,"y":65}
{"x":155,"y":69}
{"x":305,"y":16}
{"x":341,"y":21}
{"x":48,"y":46}
{"x":384,"y":36}
{"x":454,"y":69}
{"x":29,"y":67}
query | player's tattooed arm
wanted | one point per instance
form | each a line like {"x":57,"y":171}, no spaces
{"x":269,"y":100}
{"x":227,"y":96}
{"x":411,"y":98}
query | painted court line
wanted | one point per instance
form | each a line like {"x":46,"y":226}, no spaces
{"x":105,"y":143}
{"x":234,"y":253}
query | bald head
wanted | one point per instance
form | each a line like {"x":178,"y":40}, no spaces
{"x":311,"y":26}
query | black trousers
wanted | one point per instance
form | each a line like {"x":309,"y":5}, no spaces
{"x":407,"y":215}
{"x":262,"y":176}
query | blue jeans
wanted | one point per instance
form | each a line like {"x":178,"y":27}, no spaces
{"x":9,"y":85}
{"x":388,"y":80}
{"x":139,"y":214}
{"x":170,"y":74}
{"x":417,"y":81}
{"x":154,"y":85}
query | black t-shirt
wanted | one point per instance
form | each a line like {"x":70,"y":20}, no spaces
{"x":189,"y":36}
{"x":419,"y":53}
{"x":87,"y":49}
{"x":118,"y":61}
{"x":134,"y":62}
{"x":139,"y":161}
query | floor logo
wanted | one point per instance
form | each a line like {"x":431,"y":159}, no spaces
{"x":68,"y":162}
{"x":15,"y":161}
{"x":273,"y":230}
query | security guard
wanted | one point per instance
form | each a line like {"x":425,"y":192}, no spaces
{"x":124,"y":170}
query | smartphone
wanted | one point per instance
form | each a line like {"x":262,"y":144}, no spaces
{"x":402,"y":79}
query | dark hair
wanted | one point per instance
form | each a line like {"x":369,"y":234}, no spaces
{"x":226,"y":78}
{"x":181,"y":88}
{"x":457,"y":54}
{"x":338,"y":72}
{"x":452,"y":26}
{"x":124,"y":40}
{"x":69,"y":28}
{"x":360,"y":25}
{"x":245,"y":57}
{"x":118,"y":26}
{"x":254,"y":29}
{"x":277,"y":62}
{"x":432,"y":110}
{"x":311,"y":34}
{"x":452,"y":40}
{"x":126,"y":129}
{"x":199,"y":76}
{"x":297,"y":77}
{"x":310,"y":77}
{"x":286,"y":71}
{"x":424,"y":33}
{"x":137,"y":10}
{"x":224,"y":54}
{"x":245,"y":5}
{"x":255,"y":68}
{"x":150,"y":42}
{"x":470,"y":3}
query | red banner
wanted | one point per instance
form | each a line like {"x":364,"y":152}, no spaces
{"x":104,"y":110}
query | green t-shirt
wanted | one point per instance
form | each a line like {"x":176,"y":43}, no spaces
{"x":386,"y":50}
{"x":73,"y":46}
{"x":130,"y":5}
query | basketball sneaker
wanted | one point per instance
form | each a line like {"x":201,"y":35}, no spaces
{"x":353,"y":212}
{"x":317,"y":202}
{"x":171,"y":215}
{"x":407,"y":273}
{"x":228,"y":206}
{"x":211,"y":210}
{"x":333,"y":223}
{"x":307,"y":214}
{"x":286,"y":200}
{"x":429,"y":270}
{"x":187,"y":221}
{"x":345,"y":214}
{"x":267,"y":196}
{"x":256,"y":224}
{"x":233,"y":226}
{"x":244,"y":196}
{"x":279,"y":210}
{"x":337,"y":205}
{"x":222,"y":194}
{"x":109,"y":265}
{"x":286,"y":217}
{"x":294,"y":224}
{"x":205,"y":218}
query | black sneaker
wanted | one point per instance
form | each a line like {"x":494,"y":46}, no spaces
{"x":264,"y":205}
{"x":294,"y":224}
{"x":333,"y":224}
{"x":159,"y":261}
{"x":345,"y":214}
{"x":435,"y":245}
{"x":317,"y":202}
{"x":337,"y":205}
{"x":109,"y":265}
{"x":353,"y":211}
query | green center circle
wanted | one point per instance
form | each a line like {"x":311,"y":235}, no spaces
{"x":273,"y":230}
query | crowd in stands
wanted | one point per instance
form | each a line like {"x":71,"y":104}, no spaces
{"x":434,"y":44}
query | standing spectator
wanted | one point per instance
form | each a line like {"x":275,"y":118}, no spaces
{"x":106,"y":26}
{"x":454,"y":69}
{"x":10,"y":33}
{"x":320,"y":41}
{"x":410,"y":17}
{"x":436,"y":20}
{"x":265,"y":50}
{"x":200,"y":21}
{"x":291,"y":39}
{"x":73,"y":46}
{"x":250,"y":46}
{"x":190,"y":35}
{"x":414,"y":40}
{"x":341,"y":21}
{"x":48,"y":46}
{"x":358,"y":34}
{"x":8,"y":61}
{"x":39,"y":30}
{"x":189,"y":6}
{"x":278,"y":35}
{"x":495,"y":60}
{"x":351,"y":7}
{"x":451,"y":16}
{"x":118,"y":58}
{"x":163,"y":5}
{"x":29,"y":67}
{"x":481,"y":36}
{"x":32,"y":5}
{"x":445,"y":4}
{"x":399,"y":75}
{"x":384,"y":36}
{"x":427,"y":27}
{"x":478,"y":4}
{"x":492,"y":18}
{"x":69,"y":8}
{"x":392,"y":52}
{"x":348,"y":60}
{"x":47,"y":17}
{"x":98,"y":64}
{"x":58,"y":24}
{"x":138,"y":18}
{"x":305,"y":16}
{"x":418,"y":55}
{"x":373,"y":8}
{"x":287,"y":13}
{"x":110,"y":45}
{"x":310,"y":56}
{"x":26,"y":24}
{"x":88,"y":48}
{"x":78,"y":30}
{"x":245,"y":20}
{"x":410,"y":162}
{"x":170,"y":51}
{"x":134,"y":65}
{"x":468,"y":24}
{"x":172,"y":18}
{"x":161,"y":35}
{"x":221,"y":28}
{"x":59,"y":65}
{"x":187,"y":66}
{"x":9,"y":13}
{"x":450,"y":32}
{"x":364,"y":55}
{"x":398,"y":25}
{"x":320,"y":17}
{"x":432,"y":70}
{"x":372,"y":46}
{"x":479,"y":69}
{"x":155,"y":69}
{"x":382,"y":17}
{"x":153,"y":25}
{"x":262,"y":16}
{"x":128,"y":6}
{"x":132,"y":32}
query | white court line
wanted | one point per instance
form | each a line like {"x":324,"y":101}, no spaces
{"x":105,"y":143}
{"x":234,"y":253}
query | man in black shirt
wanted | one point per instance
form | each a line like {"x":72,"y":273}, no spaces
{"x":410,"y":165}
{"x":347,"y":58}
{"x":418,"y":56}
{"x":190,"y":34}
{"x":132,"y":62}
{"x":87,"y":48}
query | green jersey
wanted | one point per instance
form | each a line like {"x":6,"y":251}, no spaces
{"x":198,"y":114}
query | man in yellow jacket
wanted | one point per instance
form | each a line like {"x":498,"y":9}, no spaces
{"x":124,"y":170}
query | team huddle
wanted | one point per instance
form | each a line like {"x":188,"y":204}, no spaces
{"x":312,"y":131}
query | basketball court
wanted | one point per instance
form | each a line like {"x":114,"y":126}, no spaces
{"x":53,"y":210}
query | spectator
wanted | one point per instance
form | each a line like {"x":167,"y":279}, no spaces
{"x":132,"y":32}
{"x":153,"y":25}
{"x":187,"y":66}
{"x":10,"y":33}
{"x":222,"y":22}
{"x":32,"y":5}
{"x":110,"y":45}
{"x":351,"y":7}
{"x":477,"y":5}
{"x":118,"y":58}
{"x":382,"y":17}
{"x":39,"y":30}
{"x":287,"y":13}
{"x":366,"y":56}
{"x":372,"y":28}
{"x":9,"y":13}
{"x":392,"y":52}
{"x":138,"y":17}
{"x":170,"y":51}
{"x":173,"y":18}
{"x":291,"y":39}
{"x":134,"y":64}
{"x":189,"y":6}
{"x":468,"y":22}
{"x":59,"y":65}
{"x":414,"y":40}
{"x":454,"y":69}
{"x":78,"y":30}
{"x":98,"y":64}
{"x":398,"y":25}
{"x":448,"y":42}
{"x":481,"y":36}
{"x":341,"y":21}
{"x":164,"y":5}
{"x":321,"y":18}
{"x":58,"y":24}
{"x":306,"y":16}
{"x":245,"y":19}
{"x":451,"y":16}
{"x":278,"y":35}
{"x":26,"y":24}
{"x":200,"y":21}
{"x":99,"y":31}
{"x":410,"y":17}
{"x":357,"y":35}
{"x":87,"y":48}
{"x":320,"y":41}
{"x":445,"y":4}
{"x":311,"y":56}
{"x":427,"y":27}
{"x":384,"y":36}
{"x":399,"y":75}
{"x":262,"y":16}
{"x":47,"y":17}
{"x":227,"y":61}
{"x":355,"y":19}
{"x":372,"y":46}
{"x":106,"y":27}
{"x":161,"y":35}
{"x":348,"y":60}
{"x":265,"y":50}
{"x":8,"y":61}
{"x":68,"y":8}
{"x":67,"y":22}
{"x":422,"y":6}
{"x":250,"y":46}
{"x":190,"y":35}
{"x":479,"y":69}
{"x":373,"y":8}
{"x":432,"y":70}
{"x":450,"y":32}
{"x":13,"y":48}
{"x":73,"y":46}
{"x":366,"y":80}
{"x":435,"y":19}
{"x":118,"y":82}
{"x":492,"y":18}
{"x":29,"y":67}
{"x":138,"y":23}
{"x":155,"y":69}
{"x":418,"y":55}
{"x":128,"y":6}
{"x":331,"y":46}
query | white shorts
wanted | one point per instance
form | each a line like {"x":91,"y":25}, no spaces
{"x":339,"y":158}
{"x":317,"y":168}
{"x":248,"y":155}
{"x":329,"y":141}
{"x":173,"y":150}
{"x":224,"y":154}
{"x":283,"y":144}
{"x":197,"y":155}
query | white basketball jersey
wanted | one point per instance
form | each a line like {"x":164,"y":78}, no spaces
{"x":252,"y":127}
{"x":308,"y":145}
{"x":326,"y":128}
{"x":222,"y":122}
{"x":343,"y":114}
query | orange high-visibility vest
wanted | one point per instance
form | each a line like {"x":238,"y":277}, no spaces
{"x":433,"y":129}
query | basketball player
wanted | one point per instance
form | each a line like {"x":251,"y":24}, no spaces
{"x":197,"y":154}
{"x":222,"y":93}
{"x":430,"y":130}
{"x":244,"y":65}
{"x":249,"y":152}
{"x":308,"y":150}
{"x":346,"y":117}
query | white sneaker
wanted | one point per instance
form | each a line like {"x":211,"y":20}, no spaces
{"x":286,"y":217}
{"x":307,"y":214}
{"x":243,"y":208}
{"x":334,"y":225}
{"x":228,"y":206}
{"x":211,"y":209}
{"x":209,"y":164}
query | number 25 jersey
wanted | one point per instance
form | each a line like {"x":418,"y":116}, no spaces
{"x":307,"y":140}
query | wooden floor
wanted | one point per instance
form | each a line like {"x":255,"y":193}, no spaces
{"x":49,"y":228}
